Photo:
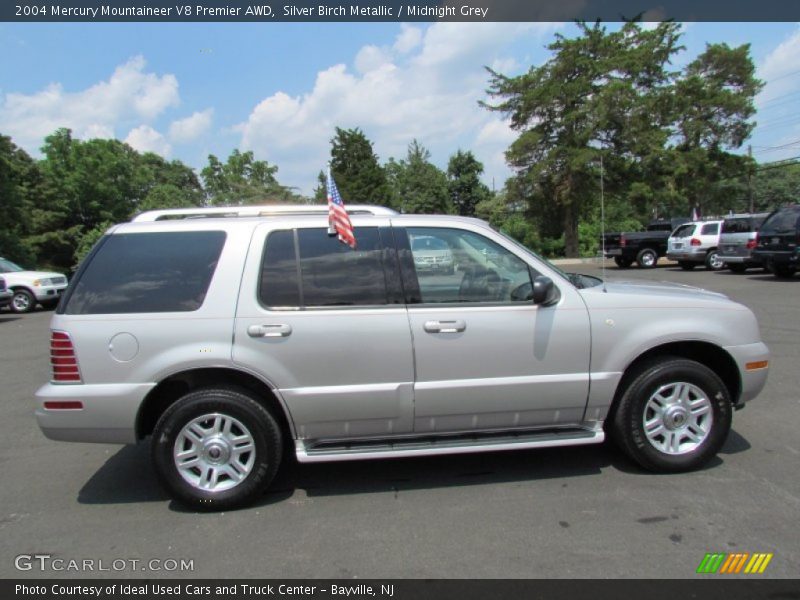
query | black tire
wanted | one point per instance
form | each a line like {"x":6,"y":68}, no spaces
{"x":234,"y":404}
{"x":737,"y":268}
{"x":23,"y":301}
{"x":686,"y":265}
{"x":712,"y":261}
{"x":647,"y":258}
{"x":783,"y":271}
{"x":628,"y":420}
{"x":622,"y":262}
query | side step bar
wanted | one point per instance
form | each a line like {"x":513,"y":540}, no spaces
{"x":451,"y":444}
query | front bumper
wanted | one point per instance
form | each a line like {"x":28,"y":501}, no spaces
{"x":108,"y":415}
{"x":5,"y":298}
{"x":48,"y":292}
{"x":753,"y":379}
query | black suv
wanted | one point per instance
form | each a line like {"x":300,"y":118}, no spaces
{"x":778,"y":240}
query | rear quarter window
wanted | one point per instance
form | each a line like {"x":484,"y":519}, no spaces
{"x":710,"y":229}
{"x":147,"y":273}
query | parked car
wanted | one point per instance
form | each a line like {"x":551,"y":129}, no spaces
{"x":32,"y":287}
{"x":643,"y":247}
{"x":738,"y":240}
{"x":5,"y":294}
{"x":228,"y":341}
{"x":778,"y":245}
{"x":696,"y":243}
{"x":432,"y":254}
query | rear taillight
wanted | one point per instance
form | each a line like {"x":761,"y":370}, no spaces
{"x":63,"y":359}
{"x":696,"y":242}
{"x":750,"y":244}
{"x":622,"y":240}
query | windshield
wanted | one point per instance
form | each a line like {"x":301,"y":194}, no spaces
{"x":6,"y":266}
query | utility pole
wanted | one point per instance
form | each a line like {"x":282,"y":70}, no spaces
{"x":750,"y":178}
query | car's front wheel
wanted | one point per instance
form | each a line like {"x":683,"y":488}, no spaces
{"x":783,"y":271}
{"x":23,"y":301}
{"x":216,"y":449}
{"x":674,"y":415}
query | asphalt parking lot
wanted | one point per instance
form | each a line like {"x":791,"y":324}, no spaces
{"x":573,"y":512}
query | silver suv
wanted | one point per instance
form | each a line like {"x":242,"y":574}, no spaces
{"x":233,"y":339}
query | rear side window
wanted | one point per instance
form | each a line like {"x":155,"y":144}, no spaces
{"x":710,"y":229}
{"x":320,"y":271}
{"x":148,"y":273}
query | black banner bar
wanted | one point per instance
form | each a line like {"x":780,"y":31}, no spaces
{"x":701,"y":588}
{"x":393,"y":10}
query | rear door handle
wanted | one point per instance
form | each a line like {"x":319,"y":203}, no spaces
{"x":455,"y":326}
{"x":269,"y":330}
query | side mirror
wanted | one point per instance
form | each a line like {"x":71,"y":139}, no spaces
{"x":542,"y":290}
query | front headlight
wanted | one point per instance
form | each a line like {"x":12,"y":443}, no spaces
{"x":37,"y":282}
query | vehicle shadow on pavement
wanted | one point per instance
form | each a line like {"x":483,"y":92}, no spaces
{"x":772,"y":279}
{"x":128,"y":477}
{"x":8,"y":319}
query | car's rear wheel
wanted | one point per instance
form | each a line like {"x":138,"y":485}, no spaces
{"x":713,"y":261}
{"x":622,"y":262}
{"x":737,"y":268}
{"x":686,"y":265}
{"x":647,"y":258}
{"x":673,"y":416}
{"x":783,"y":271}
{"x":23,"y":301}
{"x":216,"y":449}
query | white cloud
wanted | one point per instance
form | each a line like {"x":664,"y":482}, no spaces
{"x":426,"y":86}
{"x":130,"y":94}
{"x":192,"y":127}
{"x":146,"y":139}
{"x":776,"y":68}
{"x":408,"y":38}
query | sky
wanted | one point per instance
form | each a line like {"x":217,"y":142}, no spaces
{"x":187,"y":90}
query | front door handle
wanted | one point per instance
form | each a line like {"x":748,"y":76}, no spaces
{"x":269,"y":330}
{"x":455,"y":326}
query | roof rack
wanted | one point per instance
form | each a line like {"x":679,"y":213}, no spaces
{"x":267,"y":210}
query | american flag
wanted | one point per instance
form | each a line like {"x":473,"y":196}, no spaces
{"x":338,"y":221}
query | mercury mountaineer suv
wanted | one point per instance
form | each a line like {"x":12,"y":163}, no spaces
{"x":236,"y":336}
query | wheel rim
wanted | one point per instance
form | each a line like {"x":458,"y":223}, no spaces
{"x":677,"y":418}
{"x":214,"y":452}
{"x":714,"y":261}
{"x":21,"y":301}
{"x":648,"y":259}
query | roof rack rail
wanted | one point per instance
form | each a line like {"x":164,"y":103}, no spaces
{"x":267,"y":210}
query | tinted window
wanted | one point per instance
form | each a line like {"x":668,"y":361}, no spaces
{"x":331,"y":273}
{"x":278,"y":286}
{"x":740,"y":225}
{"x":148,"y":272}
{"x":786,"y":220}
{"x":710,"y":229}
{"x":472,"y":269}
{"x":684,"y":231}
{"x":6,"y":266}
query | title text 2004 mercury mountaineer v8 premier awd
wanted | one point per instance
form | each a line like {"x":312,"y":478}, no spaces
{"x":233,"y":338}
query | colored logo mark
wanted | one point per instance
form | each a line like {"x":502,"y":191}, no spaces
{"x":735,"y":563}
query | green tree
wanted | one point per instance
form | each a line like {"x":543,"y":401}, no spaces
{"x":464,"y":183}
{"x":355,"y":169}
{"x":244,"y":180}
{"x":598,"y":92}
{"x":20,"y":181}
{"x":419,"y":185}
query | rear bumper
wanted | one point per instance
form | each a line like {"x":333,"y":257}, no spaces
{"x":778,"y":257}
{"x":753,"y":379}
{"x":692,"y":255}
{"x":108,"y":415}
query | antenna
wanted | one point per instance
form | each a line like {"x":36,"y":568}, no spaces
{"x":603,"y":220}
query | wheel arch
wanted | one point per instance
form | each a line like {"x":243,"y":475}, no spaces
{"x":712,"y":356}
{"x":173,"y":387}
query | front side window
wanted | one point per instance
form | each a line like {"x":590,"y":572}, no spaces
{"x":456,"y":266}
{"x":309,"y":268}
{"x":148,"y":273}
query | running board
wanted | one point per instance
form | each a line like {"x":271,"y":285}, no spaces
{"x":451,"y":444}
